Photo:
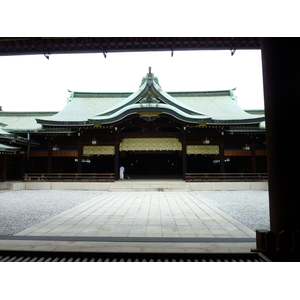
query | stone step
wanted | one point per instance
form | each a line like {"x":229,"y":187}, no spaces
{"x":150,"y":185}
{"x":145,"y":189}
{"x":136,"y":185}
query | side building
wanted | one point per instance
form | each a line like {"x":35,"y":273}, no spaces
{"x":152,"y":133}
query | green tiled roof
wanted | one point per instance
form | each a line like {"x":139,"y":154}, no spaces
{"x":86,"y":108}
{"x":7,"y":148}
{"x":21,"y":121}
{"x":215,"y":107}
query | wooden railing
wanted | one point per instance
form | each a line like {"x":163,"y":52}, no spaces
{"x":226,"y":176}
{"x":69,"y":177}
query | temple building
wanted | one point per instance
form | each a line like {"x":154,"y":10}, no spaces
{"x":152,"y":133}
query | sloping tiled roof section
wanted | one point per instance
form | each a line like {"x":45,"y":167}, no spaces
{"x":220,"y":105}
{"x":8,"y":137}
{"x":150,"y":98}
{"x":83,"y":105}
{"x":4,"y":134}
{"x":212,"y":107}
{"x":85,"y":108}
{"x":7,"y":148}
{"x":21,"y":121}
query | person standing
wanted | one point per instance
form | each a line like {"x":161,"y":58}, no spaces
{"x":122,"y":170}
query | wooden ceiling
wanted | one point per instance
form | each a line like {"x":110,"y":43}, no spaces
{"x":67,"y":45}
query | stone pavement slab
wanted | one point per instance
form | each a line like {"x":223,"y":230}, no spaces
{"x":83,"y":246}
{"x":166,"y":214}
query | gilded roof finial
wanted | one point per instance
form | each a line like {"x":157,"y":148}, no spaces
{"x":149,"y":69}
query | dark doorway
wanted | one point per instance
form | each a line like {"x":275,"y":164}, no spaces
{"x":203,"y":163}
{"x":98,"y":164}
{"x":154,"y":164}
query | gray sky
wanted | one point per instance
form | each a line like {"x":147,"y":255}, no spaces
{"x":33,"y":83}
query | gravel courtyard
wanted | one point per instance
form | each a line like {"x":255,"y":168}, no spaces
{"x":22,"y":209}
{"x":251,"y":208}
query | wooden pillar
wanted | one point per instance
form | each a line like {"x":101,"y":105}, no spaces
{"x":23,"y":163}
{"x":28,"y":145}
{"x":253,"y":157}
{"x":49,"y":160}
{"x":80,"y":152}
{"x":3,"y":171}
{"x":281,"y":76}
{"x":117,"y":154}
{"x":222,"y":163}
{"x":184,"y":159}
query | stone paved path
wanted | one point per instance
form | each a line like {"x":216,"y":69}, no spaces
{"x":143,"y":214}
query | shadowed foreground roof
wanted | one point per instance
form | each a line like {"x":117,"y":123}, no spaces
{"x":105,"y":45}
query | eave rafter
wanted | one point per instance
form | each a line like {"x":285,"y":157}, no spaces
{"x":62,"y":45}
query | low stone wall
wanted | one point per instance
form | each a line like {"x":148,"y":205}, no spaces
{"x":229,"y":186}
{"x":132,"y":185}
{"x":4,"y":186}
{"x":12,"y":186}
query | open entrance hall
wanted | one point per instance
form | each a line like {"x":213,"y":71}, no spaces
{"x":152,"y":164}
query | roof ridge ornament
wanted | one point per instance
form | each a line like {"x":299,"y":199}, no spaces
{"x":149,"y":99}
{"x":232,"y":95}
{"x":150,"y":78}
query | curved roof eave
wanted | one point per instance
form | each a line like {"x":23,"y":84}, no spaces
{"x":5,"y":134}
{"x":262,"y":125}
{"x":128,"y":101}
{"x":152,"y":108}
{"x":237,"y":121}
{"x":156,"y":89}
{"x":249,"y":129}
{"x":63,"y":123}
{"x":168,"y":99}
{"x":8,"y":148}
